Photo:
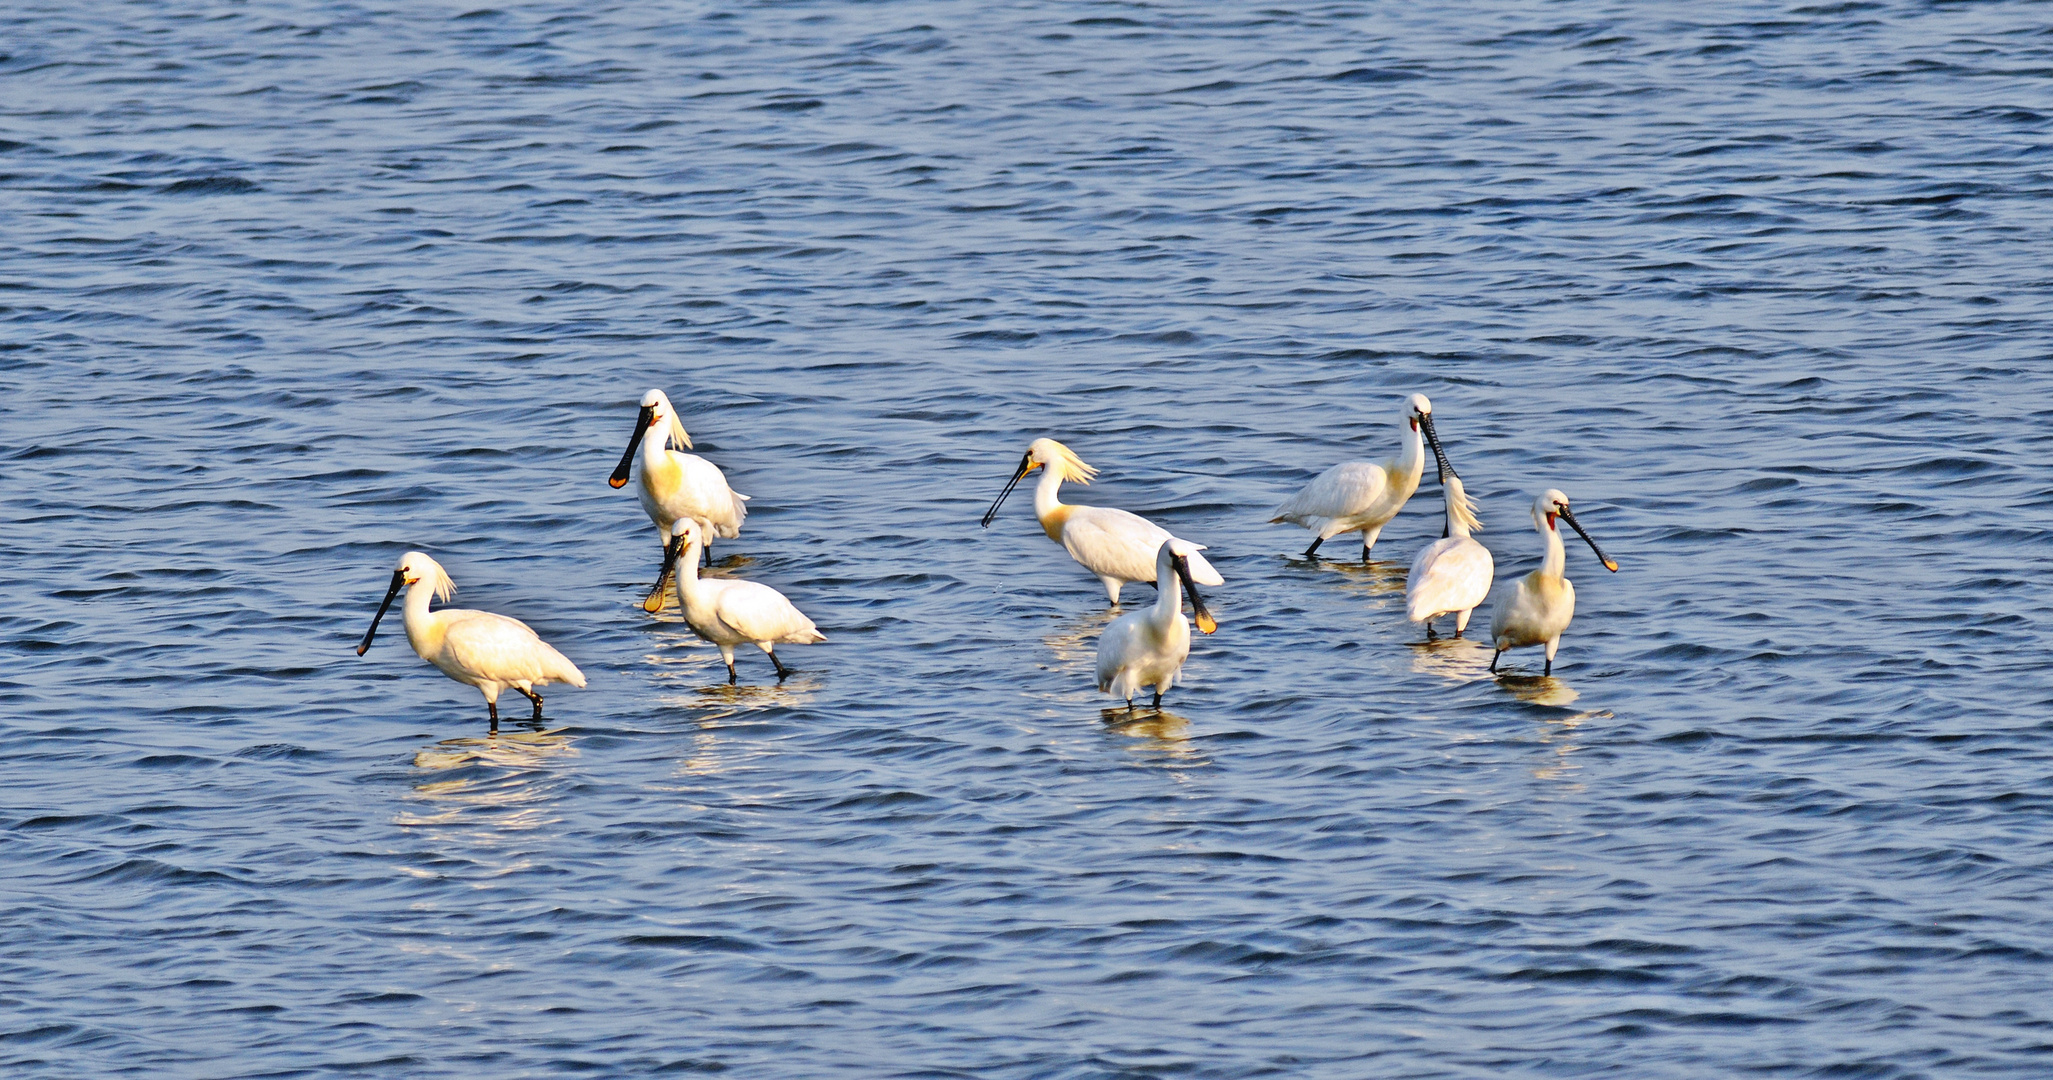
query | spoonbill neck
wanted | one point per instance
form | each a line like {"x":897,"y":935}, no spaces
{"x":423,"y":630}
{"x":1411,"y":461}
{"x":1045,"y":502}
{"x":687,"y":566}
{"x":1557,"y":558}
{"x":1168,"y":597}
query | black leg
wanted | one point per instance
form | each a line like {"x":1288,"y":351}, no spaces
{"x":536,"y":698}
{"x":1549,"y":669}
{"x":782,"y":671}
{"x":494,"y":706}
{"x":1314,"y":549}
{"x":1493,"y":660}
{"x":1365,"y":554}
{"x":1157,"y":706}
{"x":1429,"y":630}
{"x":708,"y":549}
{"x":730,"y":673}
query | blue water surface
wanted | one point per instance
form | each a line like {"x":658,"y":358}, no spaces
{"x":289,"y":288}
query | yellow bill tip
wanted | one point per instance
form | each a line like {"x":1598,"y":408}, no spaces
{"x":653,"y":603}
{"x":1611,"y":566}
{"x":616,"y":483}
{"x":1207,"y":624}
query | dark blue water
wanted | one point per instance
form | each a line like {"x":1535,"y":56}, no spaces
{"x":289,"y":288}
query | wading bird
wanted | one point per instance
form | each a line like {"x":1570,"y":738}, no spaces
{"x":1536,"y":609}
{"x":730,"y":612}
{"x":676,"y":486}
{"x":1116,"y":546}
{"x":477,"y":648}
{"x":1452,"y":574}
{"x":1361,"y":496}
{"x":1148,"y":647}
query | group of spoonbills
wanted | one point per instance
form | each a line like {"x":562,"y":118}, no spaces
{"x":1450,"y":576}
{"x":688,"y":499}
{"x":690,"y":503}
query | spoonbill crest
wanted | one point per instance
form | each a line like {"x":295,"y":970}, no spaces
{"x":1115,"y":545}
{"x":676,"y":486}
{"x":1148,"y":647}
{"x":1362,"y":496}
{"x":477,"y":648}
{"x":1452,"y":574}
{"x":1537,"y":609}
{"x":730,"y":612}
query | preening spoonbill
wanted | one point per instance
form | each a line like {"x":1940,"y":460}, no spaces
{"x":676,"y":486}
{"x":730,"y":612}
{"x":1148,"y":647}
{"x":1361,"y":496}
{"x":1452,"y":574}
{"x":1117,"y":546}
{"x":1536,"y":609}
{"x":478,"y":648}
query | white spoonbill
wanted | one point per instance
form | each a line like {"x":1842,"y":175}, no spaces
{"x":1452,"y":574}
{"x":1117,"y":546}
{"x":1362,"y":496}
{"x":730,"y":612}
{"x":676,"y":486}
{"x":477,"y":648}
{"x":1148,"y":647}
{"x":1536,"y":609}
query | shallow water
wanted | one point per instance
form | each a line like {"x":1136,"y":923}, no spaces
{"x":288,"y":289}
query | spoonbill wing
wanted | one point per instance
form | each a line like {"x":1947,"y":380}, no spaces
{"x":504,"y":650}
{"x":1346,"y":488}
{"x":761,"y":613}
{"x":703,"y":494}
{"x":1114,"y":542}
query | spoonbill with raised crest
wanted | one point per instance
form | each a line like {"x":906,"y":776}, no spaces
{"x":1452,"y":574}
{"x":476,"y":648}
{"x":1362,"y":496}
{"x":1115,"y":545}
{"x":676,"y":486}
{"x":1148,"y":647}
{"x":729,"y":611}
{"x":1537,"y":608}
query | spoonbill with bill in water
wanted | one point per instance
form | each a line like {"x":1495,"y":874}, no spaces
{"x":1148,"y":647}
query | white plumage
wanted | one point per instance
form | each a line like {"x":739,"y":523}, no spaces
{"x":1362,"y":496}
{"x":1536,"y":609}
{"x":1452,"y":574}
{"x":673,"y":485}
{"x":1148,"y":647}
{"x":729,"y":611}
{"x":476,"y":648}
{"x":1113,"y":544}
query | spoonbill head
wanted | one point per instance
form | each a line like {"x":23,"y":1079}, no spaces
{"x":1113,"y":544}
{"x":1362,"y":496}
{"x":476,"y":648}
{"x":1536,"y":609}
{"x":675,"y":485}
{"x":730,"y":612}
{"x":1148,"y":647}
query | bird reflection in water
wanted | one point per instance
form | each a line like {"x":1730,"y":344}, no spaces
{"x":1156,"y":731}
{"x":1458,"y":659}
{"x":1539,"y":689}
{"x":1376,"y":580}
{"x":499,"y":771}
{"x":1075,"y":640}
